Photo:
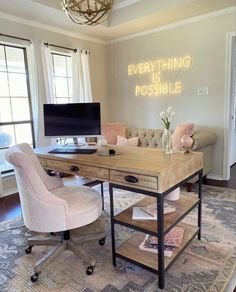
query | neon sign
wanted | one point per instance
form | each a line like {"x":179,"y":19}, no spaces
{"x":155,"y":69}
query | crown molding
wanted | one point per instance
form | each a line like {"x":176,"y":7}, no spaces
{"x":49,"y":27}
{"x":180,"y":23}
{"x":39,"y":25}
{"x":124,"y":4}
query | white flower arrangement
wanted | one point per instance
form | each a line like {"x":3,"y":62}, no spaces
{"x":166,"y":117}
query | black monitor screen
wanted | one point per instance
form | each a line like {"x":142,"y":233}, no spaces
{"x":72,"y":119}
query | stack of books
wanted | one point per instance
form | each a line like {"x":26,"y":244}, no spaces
{"x":172,"y":240}
{"x":149,"y":212}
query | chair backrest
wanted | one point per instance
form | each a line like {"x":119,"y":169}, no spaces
{"x":34,"y":188}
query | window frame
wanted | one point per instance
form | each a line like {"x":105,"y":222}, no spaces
{"x":30,"y":121}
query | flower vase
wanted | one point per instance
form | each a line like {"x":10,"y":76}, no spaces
{"x":166,"y":142}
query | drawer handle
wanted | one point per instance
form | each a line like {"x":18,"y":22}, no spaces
{"x":131,"y":179}
{"x":74,"y":168}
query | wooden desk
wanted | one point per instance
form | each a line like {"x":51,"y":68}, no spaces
{"x":146,"y":171}
{"x":154,"y":171}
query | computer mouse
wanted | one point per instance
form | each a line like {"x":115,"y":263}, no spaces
{"x":111,"y":151}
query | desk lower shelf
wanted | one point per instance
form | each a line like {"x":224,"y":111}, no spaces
{"x":130,"y":251}
{"x":183,"y":206}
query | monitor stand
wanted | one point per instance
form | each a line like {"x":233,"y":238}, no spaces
{"x":76,"y":143}
{"x":75,"y":140}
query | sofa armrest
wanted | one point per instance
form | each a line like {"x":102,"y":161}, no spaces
{"x":203,"y":139}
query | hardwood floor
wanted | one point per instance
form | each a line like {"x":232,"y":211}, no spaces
{"x":10,"y":205}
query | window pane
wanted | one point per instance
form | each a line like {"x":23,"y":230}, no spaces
{"x":3,"y":84}
{"x":70,"y":86}
{"x":61,"y":87}
{"x":4,"y":165}
{"x":8,"y":131}
{"x":18,"y":85}
{"x":15,"y":60}
{"x":5,"y":110}
{"x":59,"y":65}
{"x":23,"y":133}
{"x":20,"y":109}
{"x":5,"y":139}
{"x":2,"y":59}
{"x":69,"y":66}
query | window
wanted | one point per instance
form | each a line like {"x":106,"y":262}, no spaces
{"x":16,"y":125}
{"x":62,"y":78}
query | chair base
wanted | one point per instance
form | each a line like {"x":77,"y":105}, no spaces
{"x":60,"y":245}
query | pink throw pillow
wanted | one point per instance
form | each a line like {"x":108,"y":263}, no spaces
{"x":180,"y":131}
{"x":122,"y":141}
{"x":111,"y":130}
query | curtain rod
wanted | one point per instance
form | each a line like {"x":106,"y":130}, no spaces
{"x":15,"y":37}
{"x":62,"y":47}
{"x":56,"y":46}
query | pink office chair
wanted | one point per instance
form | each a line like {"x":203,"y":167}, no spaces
{"x":48,"y":207}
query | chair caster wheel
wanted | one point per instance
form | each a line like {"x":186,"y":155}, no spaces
{"x":34,"y":277}
{"x":102,"y":241}
{"x":28,"y":249}
{"x":89,"y":270}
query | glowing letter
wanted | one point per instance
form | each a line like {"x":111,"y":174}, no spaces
{"x":178,"y":87}
{"x":130,"y":70}
{"x":144,"y":90}
{"x":137,"y":90}
{"x":187,"y":61}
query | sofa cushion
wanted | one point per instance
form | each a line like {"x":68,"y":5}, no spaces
{"x":122,"y":141}
{"x":147,"y":137}
{"x":180,"y":131}
{"x":111,"y":130}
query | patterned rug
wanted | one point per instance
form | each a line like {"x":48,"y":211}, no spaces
{"x":206,"y":265}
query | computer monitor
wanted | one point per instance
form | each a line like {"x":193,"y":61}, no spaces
{"x":72,"y":120}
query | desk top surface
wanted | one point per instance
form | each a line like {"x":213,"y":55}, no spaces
{"x":132,"y":159}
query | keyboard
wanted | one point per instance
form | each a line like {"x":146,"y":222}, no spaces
{"x":73,"y":151}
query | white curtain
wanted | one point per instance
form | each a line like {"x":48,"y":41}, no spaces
{"x":81,"y":83}
{"x":47,"y":72}
{"x":44,"y":91}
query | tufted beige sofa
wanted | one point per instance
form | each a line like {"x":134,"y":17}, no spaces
{"x":204,"y":141}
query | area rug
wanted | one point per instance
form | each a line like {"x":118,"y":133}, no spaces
{"x":206,"y":265}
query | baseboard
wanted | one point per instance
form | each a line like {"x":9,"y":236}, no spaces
{"x":9,"y":186}
{"x":215,"y":176}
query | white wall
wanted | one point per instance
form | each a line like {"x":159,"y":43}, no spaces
{"x":205,"y":41}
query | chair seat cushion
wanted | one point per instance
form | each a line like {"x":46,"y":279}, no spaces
{"x":84,"y":204}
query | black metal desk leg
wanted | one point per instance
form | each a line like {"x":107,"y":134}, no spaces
{"x":112,"y":225}
{"x":160,"y":233}
{"x":200,"y":204}
{"x":102,"y":194}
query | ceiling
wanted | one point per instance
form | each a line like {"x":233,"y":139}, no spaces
{"x":128,"y":16}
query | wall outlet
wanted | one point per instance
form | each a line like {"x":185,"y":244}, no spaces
{"x":203,"y":90}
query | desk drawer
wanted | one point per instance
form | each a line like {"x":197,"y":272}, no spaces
{"x":78,"y":169}
{"x":136,"y":180}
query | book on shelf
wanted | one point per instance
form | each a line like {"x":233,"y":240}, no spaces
{"x":172,"y":240}
{"x":149,"y":212}
{"x":168,"y":250}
